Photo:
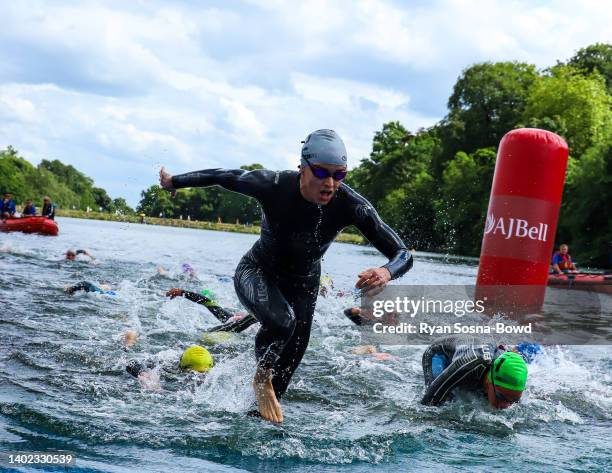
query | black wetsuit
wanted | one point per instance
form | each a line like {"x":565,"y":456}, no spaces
{"x":87,"y":287}
{"x":48,"y":211}
{"x":469,"y":363}
{"x":223,"y":315}
{"x":278,"y":278}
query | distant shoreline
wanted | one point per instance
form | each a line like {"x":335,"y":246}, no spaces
{"x":175,"y":222}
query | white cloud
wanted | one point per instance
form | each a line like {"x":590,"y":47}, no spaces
{"x":118,"y":88}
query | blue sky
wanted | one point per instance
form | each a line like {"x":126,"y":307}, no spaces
{"x":119,"y":88}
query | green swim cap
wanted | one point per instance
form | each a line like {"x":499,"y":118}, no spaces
{"x":509,"y":371}
{"x":208,"y":293}
{"x":214,"y":338}
{"x":196,"y":358}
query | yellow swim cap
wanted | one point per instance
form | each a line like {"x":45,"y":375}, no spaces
{"x":196,"y":358}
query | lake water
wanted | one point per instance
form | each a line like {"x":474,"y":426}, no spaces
{"x":63,"y":383}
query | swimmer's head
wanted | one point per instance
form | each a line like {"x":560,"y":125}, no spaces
{"x":507,"y":379}
{"x":196,"y":358}
{"x":188,"y":270}
{"x":208,"y":293}
{"x":70,"y":255}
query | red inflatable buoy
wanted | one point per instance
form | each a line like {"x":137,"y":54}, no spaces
{"x":522,"y":218}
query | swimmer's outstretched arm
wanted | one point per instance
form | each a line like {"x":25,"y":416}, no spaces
{"x":223,"y":315}
{"x":235,"y":326}
{"x":257,"y":183}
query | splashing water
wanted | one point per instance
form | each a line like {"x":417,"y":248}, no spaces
{"x":63,"y":383}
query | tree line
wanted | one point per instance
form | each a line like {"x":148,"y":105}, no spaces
{"x":67,"y":187}
{"x":432,"y":185}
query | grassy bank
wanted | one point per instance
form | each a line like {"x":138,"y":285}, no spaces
{"x":173,"y":222}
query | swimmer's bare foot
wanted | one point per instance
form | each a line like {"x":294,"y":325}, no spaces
{"x":269,"y":407}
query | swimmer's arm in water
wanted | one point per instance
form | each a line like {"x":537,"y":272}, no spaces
{"x":82,"y":286}
{"x":383,"y":238}
{"x":235,"y":326}
{"x":256,"y":183}
{"x":445,"y":347}
{"x":219,"y":312}
{"x":441,"y":387}
{"x":84,"y":252}
{"x":356,"y":318}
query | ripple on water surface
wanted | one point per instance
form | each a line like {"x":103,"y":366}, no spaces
{"x":63,"y":382}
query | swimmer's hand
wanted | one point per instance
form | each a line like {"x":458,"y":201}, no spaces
{"x":373,"y":278}
{"x":165,"y":181}
{"x":175,"y":292}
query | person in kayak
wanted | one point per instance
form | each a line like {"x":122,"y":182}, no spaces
{"x":48,"y":209}
{"x":86,"y":286}
{"x":195,"y":358}
{"x":29,"y":209}
{"x":562,"y":261}
{"x":231,"y":321}
{"x":72,"y":254}
{"x":497,"y":371}
{"x":277,"y":280}
{"x":8,"y":206}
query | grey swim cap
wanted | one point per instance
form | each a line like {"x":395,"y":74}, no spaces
{"x":324,"y":147}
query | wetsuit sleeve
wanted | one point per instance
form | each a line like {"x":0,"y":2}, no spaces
{"x":460,"y":369}
{"x":83,"y":286}
{"x":257,"y":183}
{"x":219,"y":312}
{"x":446,"y":347}
{"x":384,"y":239}
{"x":235,"y":326}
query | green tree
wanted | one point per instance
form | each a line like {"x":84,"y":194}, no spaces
{"x":120,"y":205}
{"x":64,"y":184}
{"x":566,"y":102}
{"x":595,"y":58}
{"x":586,"y":219}
{"x":156,"y":201}
{"x":462,"y":205}
{"x":102,"y":200}
{"x":488,"y":100}
{"x":397,"y":157}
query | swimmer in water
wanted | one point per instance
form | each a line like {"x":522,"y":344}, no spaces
{"x":195,"y":359}
{"x":499,"y":372}
{"x":71,"y":254}
{"x":86,"y":286}
{"x":188,"y":270}
{"x":231,"y":321}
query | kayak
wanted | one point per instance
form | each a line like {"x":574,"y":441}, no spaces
{"x":42,"y":225}
{"x":584,"y":282}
